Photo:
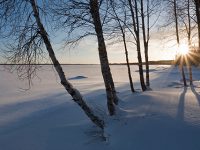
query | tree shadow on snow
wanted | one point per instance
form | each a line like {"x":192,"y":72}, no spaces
{"x":181,"y":105}
{"x":196,"y":94}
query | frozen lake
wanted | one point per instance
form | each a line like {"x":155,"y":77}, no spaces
{"x":45,"y":118}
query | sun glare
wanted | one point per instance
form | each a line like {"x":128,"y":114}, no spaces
{"x":183,"y":49}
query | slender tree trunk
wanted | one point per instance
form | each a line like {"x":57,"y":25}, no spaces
{"x":197,"y":9}
{"x":114,"y":93}
{"x":176,"y":22}
{"x":107,"y":76}
{"x":189,"y":23}
{"x":189,"y":41}
{"x":190,"y":73}
{"x":77,"y":97}
{"x":125,"y":46}
{"x":178,"y":42}
{"x":127,"y":61}
{"x":147,"y":65}
{"x":183,"y":75}
{"x":145,"y":39}
{"x":139,"y":49}
{"x":137,"y":34}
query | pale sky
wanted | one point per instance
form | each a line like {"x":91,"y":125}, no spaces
{"x":87,"y":52}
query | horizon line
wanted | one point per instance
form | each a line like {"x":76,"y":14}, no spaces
{"x":157,"y":62}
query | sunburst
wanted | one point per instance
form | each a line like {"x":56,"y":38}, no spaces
{"x":183,"y":49}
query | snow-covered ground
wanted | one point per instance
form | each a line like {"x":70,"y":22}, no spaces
{"x":45,"y":117}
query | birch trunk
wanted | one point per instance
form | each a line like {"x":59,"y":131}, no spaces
{"x":105,"y":69}
{"x":190,"y":74}
{"x":178,"y":42}
{"x":146,"y":39}
{"x":183,"y":75}
{"x":137,"y":38}
{"x":139,"y":49}
{"x":147,"y":65}
{"x":197,"y":9}
{"x":127,"y":62}
{"x":189,"y":41}
{"x":125,"y":46}
{"x":77,"y":97}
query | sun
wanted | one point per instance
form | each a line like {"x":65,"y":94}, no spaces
{"x":183,"y":49}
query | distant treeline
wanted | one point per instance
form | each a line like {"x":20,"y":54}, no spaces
{"x":159,"y":62}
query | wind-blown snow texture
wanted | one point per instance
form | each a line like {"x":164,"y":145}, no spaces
{"x":45,"y":118}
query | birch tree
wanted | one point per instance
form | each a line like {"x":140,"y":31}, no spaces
{"x":89,"y":17}
{"x":122,"y":23}
{"x":188,"y":29}
{"x":109,"y":84}
{"x":197,"y":10}
{"x":148,"y":9}
{"x":175,"y":16}
{"x":189,"y":24}
{"x":24,"y":18}
{"x":133,"y":6}
{"x":178,"y":41}
{"x":146,"y":36}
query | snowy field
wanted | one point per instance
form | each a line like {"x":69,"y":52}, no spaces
{"x":45,"y":117}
